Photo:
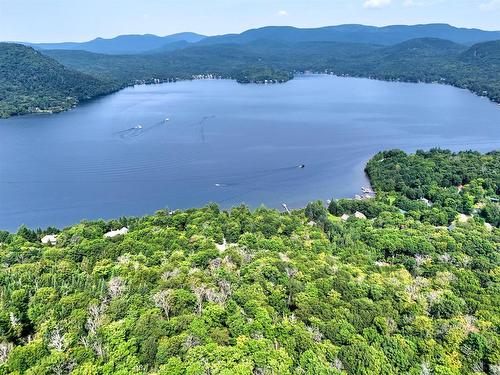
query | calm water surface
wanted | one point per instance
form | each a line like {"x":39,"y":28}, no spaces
{"x":223,"y":142}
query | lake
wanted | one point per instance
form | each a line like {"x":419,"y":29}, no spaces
{"x":185,"y":144}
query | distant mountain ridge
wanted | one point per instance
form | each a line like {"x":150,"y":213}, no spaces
{"x":124,"y":44}
{"x":386,"y":35}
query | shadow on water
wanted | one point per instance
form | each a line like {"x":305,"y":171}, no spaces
{"x":256,"y":183}
{"x":202,"y":123}
{"x":255,"y":179}
{"x":141,"y":130}
{"x":225,"y":181}
{"x":241,"y":179}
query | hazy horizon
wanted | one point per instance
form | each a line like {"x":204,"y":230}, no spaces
{"x":51,"y":21}
{"x":210,"y":35}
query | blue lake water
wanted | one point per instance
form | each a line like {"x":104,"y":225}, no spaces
{"x":223,"y":142}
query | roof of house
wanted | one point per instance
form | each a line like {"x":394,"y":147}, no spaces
{"x":462,"y":218}
{"x":119,"y":232}
{"x":49,"y":238}
{"x":359,"y":215}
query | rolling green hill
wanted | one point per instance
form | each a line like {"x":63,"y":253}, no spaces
{"x":32,"y":82}
{"x":486,"y":53}
{"x":424,"y":47}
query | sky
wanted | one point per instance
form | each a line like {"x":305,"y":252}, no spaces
{"x":81,"y":20}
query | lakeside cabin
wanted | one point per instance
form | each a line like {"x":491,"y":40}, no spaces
{"x":462,"y":218}
{"x":357,"y":215}
{"x":49,"y":239}
{"x":222,"y":247}
{"x":344,"y":217}
{"x":367,"y":190}
{"x":119,"y":232}
{"x":426,"y":201}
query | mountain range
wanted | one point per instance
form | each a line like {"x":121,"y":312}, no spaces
{"x":388,"y":35}
{"x":126,"y":44}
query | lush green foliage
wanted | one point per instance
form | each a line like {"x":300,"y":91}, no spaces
{"x":466,"y":182}
{"x":31,"y":82}
{"x":436,"y":60}
{"x":299,"y":293}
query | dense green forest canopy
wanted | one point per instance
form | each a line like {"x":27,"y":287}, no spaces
{"x":206,"y":291}
{"x":31,"y":82}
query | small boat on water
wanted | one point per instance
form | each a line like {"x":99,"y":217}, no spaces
{"x":167,"y":119}
{"x":138,"y":127}
{"x":301,"y":166}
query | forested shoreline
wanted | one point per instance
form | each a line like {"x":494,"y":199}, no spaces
{"x":431,"y":60}
{"x":406,"y":282}
{"x":33,"y":83}
{"x":53,"y":81}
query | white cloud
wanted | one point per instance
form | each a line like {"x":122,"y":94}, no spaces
{"x":282,"y":13}
{"x":376,"y":4}
{"x":490,"y":5}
